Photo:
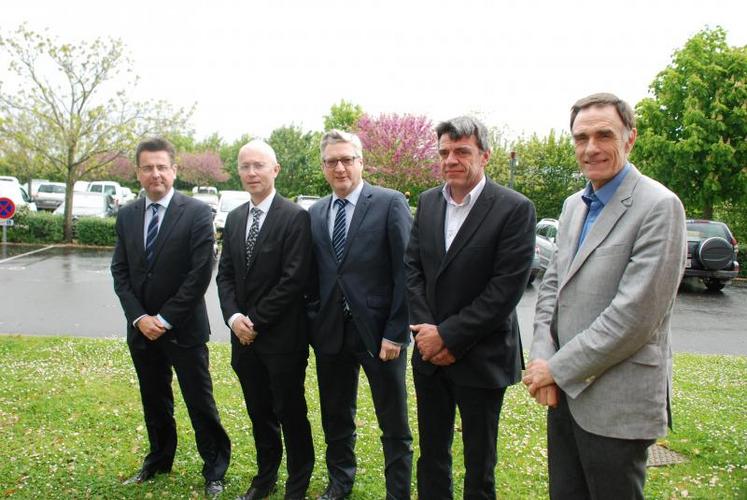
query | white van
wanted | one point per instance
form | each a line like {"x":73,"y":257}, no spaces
{"x":109,"y":187}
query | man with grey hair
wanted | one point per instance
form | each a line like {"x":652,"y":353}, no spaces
{"x":601,"y":354}
{"x":468,"y":263}
{"x":263,"y":270}
{"x":359,"y":314}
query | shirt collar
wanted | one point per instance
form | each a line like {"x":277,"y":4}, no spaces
{"x":604,"y":194}
{"x":352,"y":198}
{"x":164,"y":202}
{"x":264,"y":205}
{"x":469,"y":199}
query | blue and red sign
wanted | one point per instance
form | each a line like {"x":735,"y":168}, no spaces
{"x":7,"y":208}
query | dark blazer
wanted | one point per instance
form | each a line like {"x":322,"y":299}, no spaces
{"x":271,"y":291}
{"x":368,"y":275}
{"x":174,"y":284}
{"x":470,"y":292}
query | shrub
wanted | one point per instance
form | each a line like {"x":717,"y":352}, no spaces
{"x":36,"y":227}
{"x":95,"y":231}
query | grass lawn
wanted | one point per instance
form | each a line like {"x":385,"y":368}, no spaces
{"x":71,"y":427}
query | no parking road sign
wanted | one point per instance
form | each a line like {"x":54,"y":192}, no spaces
{"x":7,"y":211}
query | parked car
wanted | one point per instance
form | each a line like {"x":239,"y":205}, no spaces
{"x":91,"y":205}
{"x":10,"y":179}
{"x":50,"y":195}
{"x":109,"y":187}
{"x":306,"y":200}
{"x":711,"y":253}
{"x":128,"y":195}
{"x":80,"y":186}
{"x":35,"y":183}
{"x":544,"y":247}
{"x":14,"y":191}
{"x":207,"y":194}
{"x":228,"y":201}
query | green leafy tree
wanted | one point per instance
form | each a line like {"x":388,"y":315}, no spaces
{"x":691,"y":134}
{"x":70,"y":107}
{"x":298,"y":155}
{"x":547,"y":172}
{"x":343,"y":116}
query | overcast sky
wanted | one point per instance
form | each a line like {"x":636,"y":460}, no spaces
{"x":253,"y":66}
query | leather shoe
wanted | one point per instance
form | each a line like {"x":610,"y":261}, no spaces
{"x":334,"y":492}
{"x":213,"y":488}
{"x":140,"y":477}
{"x":255,"y":494}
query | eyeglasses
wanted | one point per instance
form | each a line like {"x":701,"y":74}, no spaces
{"x":149,"y":169}
{"x":257,"y":167}
{"x":346,"y":161}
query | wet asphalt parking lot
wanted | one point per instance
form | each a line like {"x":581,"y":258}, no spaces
{"x":68,"y":291}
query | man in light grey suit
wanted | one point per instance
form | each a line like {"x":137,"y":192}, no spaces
{"x":601,"y":355}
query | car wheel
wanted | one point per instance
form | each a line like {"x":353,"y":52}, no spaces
{"x":715,"y":253}
{"x":714,"y":285}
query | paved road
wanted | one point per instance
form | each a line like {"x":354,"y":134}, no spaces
{"x":62,"y":290}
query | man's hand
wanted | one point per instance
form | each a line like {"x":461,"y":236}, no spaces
{"x":427,"y":340}
{"x":150,"y":327}
{"x":243,"y":328}
{"x":443,"y":358}
{"x":389,"y":350}
{"x":537,"y":375}
{"x":547,"y":396}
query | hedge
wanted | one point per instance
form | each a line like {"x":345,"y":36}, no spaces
{"x":45,"y":227}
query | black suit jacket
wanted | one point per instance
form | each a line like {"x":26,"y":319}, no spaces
{"x":174,"y":284}
{"x":470,"y":292}
{"x":270,"y":292}
{"x":371,"y":273}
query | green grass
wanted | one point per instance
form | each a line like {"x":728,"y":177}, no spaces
{"x":71,"y":427}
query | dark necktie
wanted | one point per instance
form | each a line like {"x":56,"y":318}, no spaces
{"x":251,"y":238}
{"x":150,"y":240}
{"x":338,"y":230}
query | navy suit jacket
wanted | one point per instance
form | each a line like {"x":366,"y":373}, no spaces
{"x":174,"y":284}
{"x":471,"y":291}
{"x":371,"y":273}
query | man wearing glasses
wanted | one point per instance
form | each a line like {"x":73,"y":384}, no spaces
{"x":263,"y":270}
{"x":358,"y":314}
{"x":162,"y":266}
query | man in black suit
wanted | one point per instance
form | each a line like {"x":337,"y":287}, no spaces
{"x":468,"y":263}
{"x":162,"y":266}
{"x":359,"y":316}
{"x":261,"y":278}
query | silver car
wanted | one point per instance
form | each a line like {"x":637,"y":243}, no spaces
{"x":50,"y":195}
{"x":545,"y":247}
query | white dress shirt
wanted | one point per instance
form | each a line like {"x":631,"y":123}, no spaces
{"x":456,"y":213}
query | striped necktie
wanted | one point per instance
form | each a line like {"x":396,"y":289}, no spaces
{"x":338,"y":230}
{"x":251,"y":238}
{"x":150,"y":240}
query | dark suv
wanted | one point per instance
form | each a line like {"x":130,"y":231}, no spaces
{"x":711,"y":253}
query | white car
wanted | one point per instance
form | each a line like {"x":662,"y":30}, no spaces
{"x":17,"y":194}
{"x":90,"y":205}
{"x":50,"y":195}
{"x":228,"y":201}
{"x":109,"y":187}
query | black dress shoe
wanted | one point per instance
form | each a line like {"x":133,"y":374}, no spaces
{"x":213,"y":488}
{"x":255,"y":494}
{"x":140,"y":477}
{"x":334,"y":492}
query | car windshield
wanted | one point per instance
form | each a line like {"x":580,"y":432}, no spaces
{"x":704,"y":230}
{"x":51,"y":188}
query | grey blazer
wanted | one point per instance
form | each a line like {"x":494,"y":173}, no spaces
{"x":612,"y":303}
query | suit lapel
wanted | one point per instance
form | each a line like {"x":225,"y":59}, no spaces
{"x":607,"y":220}
{"x":238,"y":238}
{"x":439,"y":219}
{"x":364,"y":201}
{"x":322,"y":223}
{"x":140,"y":226}
{"x":173,"y":214}
{"x":273,"y":214}
{"x":483,"y":204}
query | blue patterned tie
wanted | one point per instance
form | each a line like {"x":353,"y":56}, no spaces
{"x":251,"y":238}
{"x":150,"y":240}
{"x":338,"y":230}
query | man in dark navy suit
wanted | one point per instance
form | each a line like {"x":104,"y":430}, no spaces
{"x":162,"y":266}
